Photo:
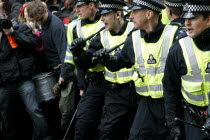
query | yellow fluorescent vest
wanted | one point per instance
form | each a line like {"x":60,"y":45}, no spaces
{"x":108,"y":41}
{"x":196,"y":83}
{"x":82,"y":32}
{"x":150,"y":62}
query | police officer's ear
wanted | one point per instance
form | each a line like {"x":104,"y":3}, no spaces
{"x":208,"y":22}
{"x":149,"y":14}
{"x":119,"y":14}
{"x":169,"y":12}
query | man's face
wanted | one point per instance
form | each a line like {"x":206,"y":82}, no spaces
{"x":84,"y":11}
{"x":110,"y":20}
{"x":41,"y":18}
{"x":139,"y":18}
{"x":195,"y":26}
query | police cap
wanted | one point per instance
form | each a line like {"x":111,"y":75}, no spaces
{"x":81,"y":2}
{"x":174,"y":3}
{"x":107,"y":6}
{"x":155,"y":5}
{"x":192,"y":8}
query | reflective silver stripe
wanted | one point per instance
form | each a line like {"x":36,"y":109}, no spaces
{"x":80,"y":31}
{"x":191,"y":56}
{"x":194,"y":97}
{"x":129,"y":27}
{"x":151,"y":87}
{"x":207,"y":77}
{"x":125,"y":73}
{"x":195,"y":78}
{"x":156,"y":87}
{"x":106,"y":39}
{"x":120,"y":74}
{"x":165,"y":48}
{"x":164,"y":53}
{"x":68,"y":58}
{"x":110,"y":74}
{"x":142,"y":89}
{"x":138,"y":52}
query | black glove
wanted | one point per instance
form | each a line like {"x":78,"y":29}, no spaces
{"x":77,"y":45}
{"x":100,"y":55}
{"x":175,"y":133}
{"x":175,"y":129}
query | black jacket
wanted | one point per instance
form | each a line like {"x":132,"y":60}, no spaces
{"x":175,"y":67}
{"x":19,"y":62}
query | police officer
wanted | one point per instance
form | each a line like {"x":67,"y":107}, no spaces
{"x":174,"y":10}
{"x":147,"y":50}
{"x":121,"y":98}
{"x":89,"y":109}
{"x":186,"y":77}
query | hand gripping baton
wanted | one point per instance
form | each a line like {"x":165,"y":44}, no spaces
{"x":192,"y":124}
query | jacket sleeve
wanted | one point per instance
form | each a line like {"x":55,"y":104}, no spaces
{"x":15,"y":9}
{"x":23,"y":36}
{"x":81,"y":78}
{"x":174,"y":68}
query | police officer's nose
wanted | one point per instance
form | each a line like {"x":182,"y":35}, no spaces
{"x":187,"y":22}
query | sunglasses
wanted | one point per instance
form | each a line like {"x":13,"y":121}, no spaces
{"x":40,"y":19}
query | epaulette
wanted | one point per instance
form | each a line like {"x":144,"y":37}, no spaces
{"x":182,"y":33}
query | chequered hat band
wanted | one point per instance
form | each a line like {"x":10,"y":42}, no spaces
{"x":144,"y":3}
{"x":111,"y":6}
{"x":172,"y":4}
{"x":196,"y":8}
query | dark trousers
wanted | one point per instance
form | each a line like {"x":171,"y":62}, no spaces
{"x":193,"y":133}
{"x":149,"y":122}
{"x":26,"y":90}
{"x":89,"y":111}
{"x":118,"y":112}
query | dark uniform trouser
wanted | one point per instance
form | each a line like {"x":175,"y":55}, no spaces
{"x":118,"y":112}
{"x":149,"y":122}
{"x":193,"y":133}
{"x":89,"y":111}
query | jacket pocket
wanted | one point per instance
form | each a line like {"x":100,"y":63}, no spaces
{"x":27,"y":66}
{"x":192,"y":87}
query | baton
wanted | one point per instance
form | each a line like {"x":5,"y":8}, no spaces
{"x":91,"y":36}
{"x":192,"y":124}
{"x":70,"y":124}
{"x":96,"y":59}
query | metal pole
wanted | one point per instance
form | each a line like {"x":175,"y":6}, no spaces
{"x":192,"y":124}
{"x":70,"y":124}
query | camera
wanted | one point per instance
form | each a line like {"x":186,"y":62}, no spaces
{"x":5,"y":23}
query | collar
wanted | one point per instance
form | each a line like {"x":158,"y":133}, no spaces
{"x":179,"y":22}
{"x":87,"y":21}
{"x":47,"y":23}
{"x":158,"y":28}
{"x":202,"y":41}
{"x":122,"y":30}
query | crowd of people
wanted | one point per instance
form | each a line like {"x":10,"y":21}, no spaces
{"x":104,"y":69}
